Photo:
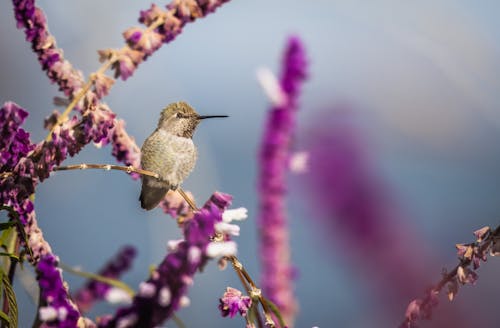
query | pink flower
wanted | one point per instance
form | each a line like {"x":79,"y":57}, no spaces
{"x":233,"y":302}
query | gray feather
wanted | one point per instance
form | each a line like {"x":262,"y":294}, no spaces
{"x":152,"y":193}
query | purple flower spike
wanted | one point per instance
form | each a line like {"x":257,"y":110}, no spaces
{"x":57,"y":310}
{"x":233,"y":302}
{"x":95,"y":290}
{"x":168,"y":24}
{"x":59,"y":70}
{"x":162,"y":293}
{"x":469,"y":255}
{"x":294,"y":68}
{"x":277,"y":271}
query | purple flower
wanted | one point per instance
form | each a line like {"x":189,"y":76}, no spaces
{"x":233,"y":302}
{"x":125,"y":60}
{"x":102,"y":84}
{"x":277,"y":272}
{"x":39,"y":246}
{"x":100,"y":123}
{"x":186,"y":10}
{"x":95,"y":290}
{"x":208,"y":6}
{"x":162,"y":293}
{"x":149,"y":16}
{"x":133,"y":35}
{"x":56,"y":308}
{"x":144,"y":40}
{"x":14,"y":141}
{"x":481,"y":233}
{"x":125,"y":149}
{"x":174,"y":205}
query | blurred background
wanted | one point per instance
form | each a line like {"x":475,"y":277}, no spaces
{"x":400,"y":116}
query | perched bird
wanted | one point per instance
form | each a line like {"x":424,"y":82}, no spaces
{"x":170,"y":152}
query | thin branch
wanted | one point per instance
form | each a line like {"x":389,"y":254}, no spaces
{"x":188,"y":199}
{"x":129,"y":169}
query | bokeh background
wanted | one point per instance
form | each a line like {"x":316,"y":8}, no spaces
{"x":402,"y":98}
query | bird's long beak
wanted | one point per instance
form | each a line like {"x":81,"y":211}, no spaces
{"x":202,"y":117}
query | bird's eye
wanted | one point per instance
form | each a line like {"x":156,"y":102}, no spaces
{"x":179,"y":115}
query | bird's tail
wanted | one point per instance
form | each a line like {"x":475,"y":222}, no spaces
{"x":151,"y":196}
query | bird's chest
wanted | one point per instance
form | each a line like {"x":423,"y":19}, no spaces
{"x":170,"y":156}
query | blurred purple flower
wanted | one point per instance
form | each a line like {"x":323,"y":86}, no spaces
{"x":95,"y":290}
{"x":277,"y":272}
{"x":162,"y":293}
{"x":358,"y":213}
{"x":56,"y":309}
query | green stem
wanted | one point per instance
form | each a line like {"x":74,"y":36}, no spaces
{"x":93,"y":276}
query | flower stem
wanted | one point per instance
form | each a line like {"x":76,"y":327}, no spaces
{"x":112,"y":282}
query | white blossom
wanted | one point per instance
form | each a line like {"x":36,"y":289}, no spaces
{"x":147,"y":289}
{"x":225,"y":248}
{"x":299,"y":162}
{"x":117,"y":296}
{"x":227,"y":228}
{"x":164,"y":296}
{"x":236,"y":214}
{"x":271,"y":86}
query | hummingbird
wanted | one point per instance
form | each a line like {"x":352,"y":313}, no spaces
{"x":169,"y":152}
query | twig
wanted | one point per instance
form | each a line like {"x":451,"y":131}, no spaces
{"x":129,"y":169}
{"x":187,"y":199}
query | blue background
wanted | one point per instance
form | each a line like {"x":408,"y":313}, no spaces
{"x":422,"y":76}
